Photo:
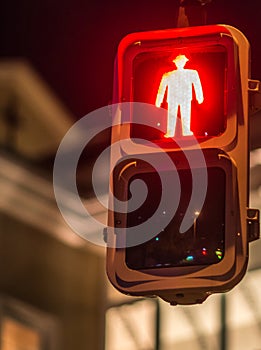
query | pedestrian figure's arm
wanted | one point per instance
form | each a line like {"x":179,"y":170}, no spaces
{"x":198,"y":88}
{"x":161,"y":91}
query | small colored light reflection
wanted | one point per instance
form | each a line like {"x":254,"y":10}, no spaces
{"x":219,"y":254}
{"x":190,"y":258}
{"x":204,"y":251}
{"x":157,"y":239}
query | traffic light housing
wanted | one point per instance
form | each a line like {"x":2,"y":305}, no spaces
{"x":180,"y":128}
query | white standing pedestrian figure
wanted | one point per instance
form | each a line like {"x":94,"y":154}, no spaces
{"x":179,"y":84}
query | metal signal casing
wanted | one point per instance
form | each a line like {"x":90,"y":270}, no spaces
{"x":225,"y":149}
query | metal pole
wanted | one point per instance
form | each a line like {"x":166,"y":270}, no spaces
{"x":192,"y":13}
{"x":157,"y":326}
{"x":223,"y":319}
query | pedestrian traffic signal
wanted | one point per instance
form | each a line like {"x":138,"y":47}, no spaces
{"x":181,"y":132}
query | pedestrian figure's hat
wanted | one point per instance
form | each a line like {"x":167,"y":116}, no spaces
{"x":180,"y":58}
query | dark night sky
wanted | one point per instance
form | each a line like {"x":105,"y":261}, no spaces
{"x":72,"y":43}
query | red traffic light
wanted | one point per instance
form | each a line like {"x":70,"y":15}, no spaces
{"x":190,"y":72}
